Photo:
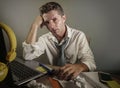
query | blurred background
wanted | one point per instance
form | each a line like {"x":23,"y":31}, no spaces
{"x":98,"y":19}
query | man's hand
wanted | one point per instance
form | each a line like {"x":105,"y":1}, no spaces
{"x":38,"y":22}
{"x":71,"y":71}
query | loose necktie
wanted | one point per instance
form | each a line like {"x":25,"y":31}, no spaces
{"x":61,"y":60}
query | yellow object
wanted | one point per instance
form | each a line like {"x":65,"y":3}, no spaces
{"x":11,"y":53}
{"x":41,"y":69}
{"x":13,"y":43}
{"x":113,"y":84}
{"x":3,"y":71}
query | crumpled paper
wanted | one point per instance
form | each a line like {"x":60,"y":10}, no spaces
{"x":80,"y":82}
{"x":34,"y":84}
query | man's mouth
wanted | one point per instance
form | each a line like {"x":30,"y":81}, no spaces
{"x":55,"y":30}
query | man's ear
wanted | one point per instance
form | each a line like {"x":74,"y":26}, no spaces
{"x":64,"y":17}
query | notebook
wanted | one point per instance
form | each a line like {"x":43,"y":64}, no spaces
{"x":22,"y":73}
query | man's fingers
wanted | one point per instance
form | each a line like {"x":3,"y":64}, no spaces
{"x":66,"y":72}
{"x":38,"y":21}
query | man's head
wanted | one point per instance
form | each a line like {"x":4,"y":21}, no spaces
{"x":54,"y":19}
{"x":51,"y":6}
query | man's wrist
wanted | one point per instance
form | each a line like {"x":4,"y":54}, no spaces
{"x":84,"y":67}
{"x":35,"y":26}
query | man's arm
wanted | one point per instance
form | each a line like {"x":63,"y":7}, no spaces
{"x":71,"y":71}
{"x":31,"y":38}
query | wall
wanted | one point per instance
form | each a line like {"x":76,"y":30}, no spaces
{"x":99,"y":19}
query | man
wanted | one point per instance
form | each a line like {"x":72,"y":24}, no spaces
{"x":77,"y":56}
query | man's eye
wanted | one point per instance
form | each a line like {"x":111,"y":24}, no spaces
{"x":46,"y":22}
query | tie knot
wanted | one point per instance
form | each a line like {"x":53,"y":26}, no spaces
{"x":62,"y":43}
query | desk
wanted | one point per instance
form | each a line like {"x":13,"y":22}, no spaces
{"x":116,"y":78}
{"x":32,"y":64}
{"x":55,"y":84}
{"x":93,"y":77}
{"x":49,"y":81}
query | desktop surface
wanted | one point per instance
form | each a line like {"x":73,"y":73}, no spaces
{"x":91,"y":78}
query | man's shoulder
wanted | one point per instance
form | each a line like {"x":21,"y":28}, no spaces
{"x":76,"y":31}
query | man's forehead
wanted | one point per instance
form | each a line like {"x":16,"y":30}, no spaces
{"x":50,"y":15}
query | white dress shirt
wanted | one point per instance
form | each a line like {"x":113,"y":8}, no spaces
{"x":77,"y":49}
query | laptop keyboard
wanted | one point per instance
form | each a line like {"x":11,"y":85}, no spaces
{"x":22,"y":72}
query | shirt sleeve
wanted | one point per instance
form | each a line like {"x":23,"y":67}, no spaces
{"x":85,"y":54}
{"x":32,"y":51}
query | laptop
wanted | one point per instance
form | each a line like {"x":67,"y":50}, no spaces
{"x":24,"y":71}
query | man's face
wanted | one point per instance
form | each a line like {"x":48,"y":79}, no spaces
{"x":55,"y":23}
